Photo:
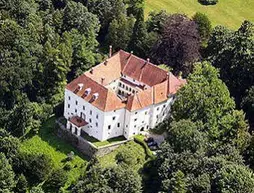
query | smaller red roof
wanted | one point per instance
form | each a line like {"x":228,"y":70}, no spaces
{"x":78,"y":121}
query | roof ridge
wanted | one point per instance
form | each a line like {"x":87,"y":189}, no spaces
{"x":128,"y":60}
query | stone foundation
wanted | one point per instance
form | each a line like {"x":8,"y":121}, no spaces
{"x":84,"y":146}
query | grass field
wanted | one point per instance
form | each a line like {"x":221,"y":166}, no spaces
{"x":229,"y":13}
{"x":46,"y":142}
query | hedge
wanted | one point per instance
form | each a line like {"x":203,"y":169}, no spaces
{"x":140,"y":140}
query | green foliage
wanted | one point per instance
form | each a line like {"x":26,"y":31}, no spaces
{"x":120,"y":31}
{"x":9,"y":145}
{"x":35,"y":167}
{"x":55,"y":181}
{"x":206,"y":98}
{"x":204,"y":26}
{"x":115,"y":179}
{"x":21,"y":185}
{"x":232,"y":52}
{"x":140,"y":140}
{"x":185,"y":135}
{"x":234,"y":178}
{"x":248,"y":104}
{"x":36,"y":189}
{"x":7,"y":182}
{"x":156,"y":21}
{"x":178,"y":183}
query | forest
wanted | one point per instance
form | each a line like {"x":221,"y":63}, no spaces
{"x":44,"y":44}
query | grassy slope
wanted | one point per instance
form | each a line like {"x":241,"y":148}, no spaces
{"x":139,"y":152}
{"x":230,"y":13}
{"x":48,"y":143}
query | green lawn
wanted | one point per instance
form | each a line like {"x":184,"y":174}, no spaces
{"x":48,"y":143}
{"x":230,"y":13}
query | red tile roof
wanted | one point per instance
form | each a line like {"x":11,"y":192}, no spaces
{"x":106,"y":101}
{"x":79,"y":122}
{"x":160,"y":81}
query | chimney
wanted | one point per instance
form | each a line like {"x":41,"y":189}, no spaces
{"x":106,"y":62}
{"x":80,"y":86}
{"x":110,"y":51}
{"x":102,"y":80}
{"x":148,"y":60}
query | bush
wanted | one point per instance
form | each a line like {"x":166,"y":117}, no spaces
{"x":141,"y":141}
{"x":67,"y":167}
{"x":208,"y":2}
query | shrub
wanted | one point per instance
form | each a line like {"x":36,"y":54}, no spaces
{"x":67,"y":167}
{"x":141,"y":141}
{"x":208,"y":2}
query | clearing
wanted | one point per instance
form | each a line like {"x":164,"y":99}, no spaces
{"x":230,"y":13}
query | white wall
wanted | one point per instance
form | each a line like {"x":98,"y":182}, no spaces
{"x":95,"y":120}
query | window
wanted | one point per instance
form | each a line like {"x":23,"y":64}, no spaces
{"x":136,"y":113}
{"x":90,"y":120}
{"x":135,"y":126}
{"x":158,"y":108}
{"x":96,"y":124}
{"x":84,"y":108}
{"x":133,"y":91}
{"x":130,"y":89}
{"x":109,"y":127}
{"x":76,"y":110}
{"x":146,"y":113}
{"x":133,"y":80}
{"x":114,"y":110}
{"x":126,"y":126}
{"x":157,"y":116}
{"x":69,"y":98}
{"x":91,"y":112}
{"x":69,"y":105}
{"x":114,"y":118}
{"x":97,"y":116}
{"x":76,"y":102}
{"x":164,"y":106}
{"x":135,"y":119}
{"x":123,"y":86}
{"x":120,"y":84}
{"x":118,"y":124}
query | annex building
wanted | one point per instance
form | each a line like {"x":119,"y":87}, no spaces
{"x":122,"y":96}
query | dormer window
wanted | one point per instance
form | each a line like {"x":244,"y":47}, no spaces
{"x":80,"y":86}
{"x":87,"y":92}
{"x":95,"y":96}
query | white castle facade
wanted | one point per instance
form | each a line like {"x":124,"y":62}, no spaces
{"x":122,"y":96}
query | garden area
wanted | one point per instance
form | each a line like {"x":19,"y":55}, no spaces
{"x":46,"y":142}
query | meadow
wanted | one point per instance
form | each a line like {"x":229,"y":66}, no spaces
{"x":230,"y":13}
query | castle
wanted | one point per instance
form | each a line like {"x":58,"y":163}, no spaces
{"x":122,"y":96}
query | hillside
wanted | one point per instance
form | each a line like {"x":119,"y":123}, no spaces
{"x":226,"y":12}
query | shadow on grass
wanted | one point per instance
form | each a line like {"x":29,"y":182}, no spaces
{"x":48,"y":132}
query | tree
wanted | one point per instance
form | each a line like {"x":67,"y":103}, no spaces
{"x":55,"y":181}
{"x":134,"y":6}
{"x":78,"y":17}
{"x":178,"y":45}
{"x":206,"y":98}
{"x":115,"y":179}
{"x":21,"y":185}
{"x":120,"y":31}
{"x":156,"y":21}
{"x":178,"y":183}
{"x":7,"y":182}
{"x":9,"y":145}
{"x":234,"y":178}
{"x":248,"y":104}
{"x":232,"y":52}
{"x":139,"y":36}
{"x":204,"y":26}
{"x":185,"y":135}
{"x":35,"y":167}
{"x":36,"y":189}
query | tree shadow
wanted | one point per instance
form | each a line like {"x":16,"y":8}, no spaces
{"x":48,"y":133}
